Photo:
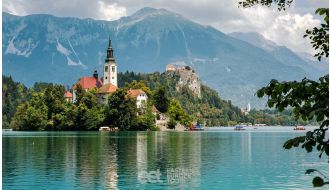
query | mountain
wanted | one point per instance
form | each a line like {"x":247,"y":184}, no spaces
{"x":60,"y":50}
{"x":286,"y":56}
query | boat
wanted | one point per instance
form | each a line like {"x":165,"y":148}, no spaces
{"x":239,"y":128}
{"x":104,"y":129}
{"x":197,"y":127}
{"x":299,"y":128}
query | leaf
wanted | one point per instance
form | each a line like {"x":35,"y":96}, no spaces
{"x":308,"y":147}
{"x":288,"y":144}
{"x":260,"y":93}
{"x":318,"y":182}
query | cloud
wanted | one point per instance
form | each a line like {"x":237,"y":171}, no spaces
{"x":110,"y":11}
{"x":288,"y":30}
{"x":284,"y":28}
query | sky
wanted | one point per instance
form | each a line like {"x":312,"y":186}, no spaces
{"x":284,"y":28}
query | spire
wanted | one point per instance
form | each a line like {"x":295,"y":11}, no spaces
{"x":95,"y":75}
{"x":109,"y":52}
{"x":110,"y":45}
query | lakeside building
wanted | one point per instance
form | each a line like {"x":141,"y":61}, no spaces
{"x":140,"y":96}
{"x":105,"y":85}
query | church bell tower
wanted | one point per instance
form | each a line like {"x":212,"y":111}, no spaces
{"x":110,"y":67}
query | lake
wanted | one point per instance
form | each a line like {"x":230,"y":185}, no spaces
{"x":217,"y":158}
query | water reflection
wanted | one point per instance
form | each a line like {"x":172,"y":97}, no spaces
{"x":93,"y":160}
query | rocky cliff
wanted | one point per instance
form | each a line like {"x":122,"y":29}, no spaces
{"x":187,"y":78}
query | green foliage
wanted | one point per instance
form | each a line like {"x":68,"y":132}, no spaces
{"x":145,"y":121}
{"x":138,"y":85}
{"x":171,"y":123}
{"x":160,"y":99}
{"x":210,"y":107}
{"x":41,"y":86}
{"x":13,"y":94}
{"x":232,"y":123}
{"x":318,"y":182}
{"x":309,"y":99}
{"x":275,"y":117}
{"x":281,"y":4}
{"x":80,"y":92}
{"x":121,"y":111}
{"x":48,"y":110}
{"x":88,"y":112}
{"x":177,"y":113}
{"x":31,"y":115}
{"x":320,"y":36}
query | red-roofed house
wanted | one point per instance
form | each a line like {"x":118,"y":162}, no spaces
{"x":68,"y":96}
{"x":87,"y":83}
{"x":104,"y":92}
{"x":140,"y":96}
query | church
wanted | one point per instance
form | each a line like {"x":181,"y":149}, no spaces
{"x":107,"y":84}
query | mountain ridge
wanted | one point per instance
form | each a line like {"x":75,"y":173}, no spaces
{"x":284,"y":54}
{"x":61,"y":50}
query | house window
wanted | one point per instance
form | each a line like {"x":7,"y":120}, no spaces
{"x":113,"y":68}
{"x":106,"y":69}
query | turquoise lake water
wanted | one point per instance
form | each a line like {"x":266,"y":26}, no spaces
{"x":217,"y":158}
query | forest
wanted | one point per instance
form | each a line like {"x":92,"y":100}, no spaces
{"x":43,"y":106}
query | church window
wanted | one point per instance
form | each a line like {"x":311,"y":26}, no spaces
{"x":106,"y":77}
{"x":113,"y":68}
{"x":113,"y":77}
{"x":106,"y":69}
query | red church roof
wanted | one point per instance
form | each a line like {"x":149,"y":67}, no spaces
{"x":89,"y":82}
{"x":68,"y":94}
{"x":107,"y":89}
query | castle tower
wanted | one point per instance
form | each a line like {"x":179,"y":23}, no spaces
{"x":110,"y":67}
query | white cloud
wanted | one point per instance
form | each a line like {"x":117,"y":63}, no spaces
{"x":288,"y":30}
{"x":284,"y":28}
{"x":110,"y":11}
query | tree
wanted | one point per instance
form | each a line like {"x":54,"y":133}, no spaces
{"x":13,"y":94}
{"x":121,"y":111}
{"x":145,"y":121}
{"x":54,"y":99}
{"x":309,"y":99}
{"x":80,"y":92}
{"x":160,"y":99}
{"x":31,"y":115}
{"x":88,"y":112}
{"x":177,"y":113}
{"x":138,"y":85}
